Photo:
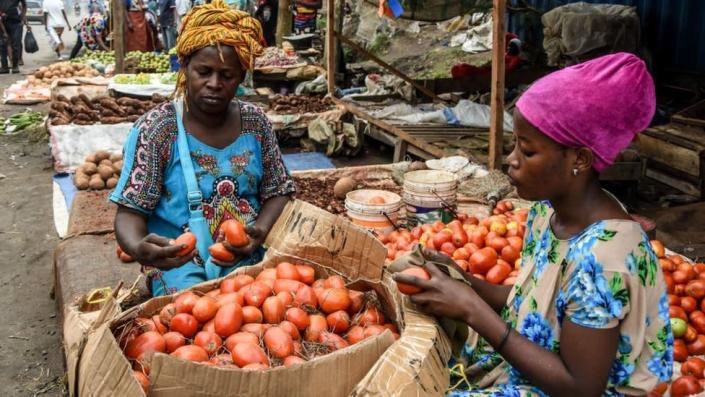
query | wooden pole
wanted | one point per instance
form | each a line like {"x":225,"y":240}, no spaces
{"x":285,"y":21}
{"x":119,"y":20}
{"x":387,"y":66}
{"x":330,"y":45}
{"x":497,"y":94}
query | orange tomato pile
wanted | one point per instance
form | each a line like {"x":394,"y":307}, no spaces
{"x":685,"y":283}
{"x":489,"y":249}
{"x":282,"y":317}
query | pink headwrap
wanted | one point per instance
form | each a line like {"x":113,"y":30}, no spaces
{"x":600,"y":104}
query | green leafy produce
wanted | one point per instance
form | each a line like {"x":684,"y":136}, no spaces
{"x":20,"y":121}
{"x":168,"y":78}
{"x":149,"y":61}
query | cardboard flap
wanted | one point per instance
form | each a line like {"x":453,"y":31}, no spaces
{"x":309,"y":232}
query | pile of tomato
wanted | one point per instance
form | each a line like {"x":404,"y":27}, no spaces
{"x":489,"y":249}
{"x":685,"y":283}
{"x":282,"y":317}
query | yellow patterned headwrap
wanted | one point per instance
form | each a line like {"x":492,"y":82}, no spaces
{"x":216,"y":24}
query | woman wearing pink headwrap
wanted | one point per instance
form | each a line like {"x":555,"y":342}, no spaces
{"x":588,"y":314}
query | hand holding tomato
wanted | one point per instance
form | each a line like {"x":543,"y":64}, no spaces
{"x":256,"y":238}
{"x":160,"y":252}
{"x":442,"y":295}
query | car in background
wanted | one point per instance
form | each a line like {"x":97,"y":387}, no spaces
{"x":35,"y":12}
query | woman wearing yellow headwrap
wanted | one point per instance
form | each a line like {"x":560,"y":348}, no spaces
{"x":202,"y":159}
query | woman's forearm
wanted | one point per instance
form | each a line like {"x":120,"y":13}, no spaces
{"x":494,"y":295}
{"x":130,"y":229}
{"x":271,"y":209}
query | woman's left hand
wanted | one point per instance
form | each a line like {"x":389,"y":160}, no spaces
{"x":257,"y":237}
{"x":442,"y":296}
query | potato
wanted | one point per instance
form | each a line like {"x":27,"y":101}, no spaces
{"x":96,"y":182}
{"x":111,"y":183}
{"x":117,"y":167}
{"x":91,"y":159}
{"x":105,"y":172}
{"x":90,"y":168}
{"x":344,"y":186}
{"x":115,"y":157}
{"x":106,"y":162}
{"x":101,"y":155}
{"x":81,"y":181}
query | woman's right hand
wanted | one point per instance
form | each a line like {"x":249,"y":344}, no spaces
{"x":160,"y":252}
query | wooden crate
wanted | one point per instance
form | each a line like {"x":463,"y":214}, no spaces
{"x":675,"y":155}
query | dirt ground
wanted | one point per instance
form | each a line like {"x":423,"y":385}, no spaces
{"x":31,"y":360}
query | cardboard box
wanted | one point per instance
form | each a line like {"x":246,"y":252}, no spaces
{"x":414,"y":365}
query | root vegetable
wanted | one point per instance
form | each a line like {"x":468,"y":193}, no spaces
{"x":116,"y":157}
{"x":81,"y":181}
{"x":105,"y":172}
{"x":89,"y":167}
{"x":111,"y":183}
{"x":117,"y":166}
{"x":96,"y":182}
{"x":344,"y":186}
{"x":101,"y":155}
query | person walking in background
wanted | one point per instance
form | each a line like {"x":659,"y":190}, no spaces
{"x":182,"y":7}
{"x":138,"y":33}
{"x":167,"y":21}
{"x":91,"y":31}
{"x":266,"y":13}
{"x":305,"y":13}
{"x":12,"y":14}
{"x":54,"y":18}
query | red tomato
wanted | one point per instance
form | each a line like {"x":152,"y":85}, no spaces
{"x":173,"y":340}
{"x":699,"y":268}
{"x":357,"y":299}
{"x":667,"y":265}
{"x":697,"y":347}
{"x":680,"y":277}
{"x":205,"y":309}
{"x":166,"y":314}
{"x":191,"y":353}
{"x":273,"y":310}
{"x":298,"y":317}
{"x":256,"y":293}
{"x":677,"y":312}
{"x":185,"y":302}
{"x":187,"y":241}
{"x":149,"y":341}
{"x":334,"y":299}
{"x":251,"y":314}
{"x":461,"y":254}
{"x":279,"y":343}
{"x":371,"y":316}
{"x":670,"y":284}
{"x":306,"y":296}
{"x":248,"y":353}
{"x":689,"y":304}
{"x":306,"y":274}
{"x":685,"y":386}
{"x":680,"y":350}
{"x":287,"y":271}
{"x":228,"y":320}
{"x":332,"y":341}
{"x":498,"y":273}
{"x":415,"y":271}
{"x":690,"y":334}
{"x":235,"y":233}
{"x":219,"y":252}
{"x":441,"y":238}
{"x":291,"y":329}
{"x":464,"y":265}
{"x":696,"y":289}
{"x":355,"y":335}
{"x":240,"y":337}
{"x":318,"y":324}
{"x":208,"y":341}
{"x":674,"y":300}
{"x":338,"y":322}
{"x":185,"y":324}
{"x":483,"y":260}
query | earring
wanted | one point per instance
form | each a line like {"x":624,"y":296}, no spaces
{"x":575,"y":172}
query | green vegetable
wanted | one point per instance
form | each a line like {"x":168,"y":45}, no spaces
{"x":20,"y":121}
{"x":678,"y":327}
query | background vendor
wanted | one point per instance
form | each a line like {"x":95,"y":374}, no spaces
{"x":588,"y":315}
{"x":237,"y":166}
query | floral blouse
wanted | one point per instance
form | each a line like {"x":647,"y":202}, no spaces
{"x":607,"y":276}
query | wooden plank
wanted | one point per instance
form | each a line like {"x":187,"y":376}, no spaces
{"x":330,"y":45}
{"x":681,"y":185}
{"x":673,"y":155}
{"x":497,"y":93}
{"x":400,"y":148}
{"x":680,"y":137}
{"x":118,"y":42}
{"x":285,"y":21}
{"x":387,"y":66}
{"x":388,"y":127}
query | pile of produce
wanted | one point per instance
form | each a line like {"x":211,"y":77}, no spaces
{"x":285,"y":316}
{"x":106,"y":110}
{"x":21,"y":121}
{"x":292,"y":104}
{"x":148,"y":62}
{"x":46,"y":74}
{"x":323,"y":193}
{"x":686,"y":298}
{"x":141,"y":78}
{"x":274,"y":57}
{"x":101,"y":57}
{"x":489,"y":249}
{"x":101,"y":170}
